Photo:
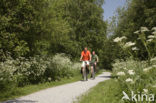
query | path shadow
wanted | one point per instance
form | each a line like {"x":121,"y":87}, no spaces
{"x":107,"y":76}
{"x":20,"y":101}
{"x":82,"y":80}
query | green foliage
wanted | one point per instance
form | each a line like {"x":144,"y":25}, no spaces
{"x":47,"y":27}
{"x":22,"y":71}
{"x":135,"y":76}
{"x":129,"y":19}
{"x":132,"y":48}
{"x":86,"y":26}
{"x":136,"y":14}
{"x":59,"y":67}
{"x":44,"y":28}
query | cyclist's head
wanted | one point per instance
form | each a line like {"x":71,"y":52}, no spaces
{"x":85,"y":49}
{"x":93,"y":52}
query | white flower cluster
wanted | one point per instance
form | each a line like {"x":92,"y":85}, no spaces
{"x":120,"y":73}
{"x":153,"y":59}
{"x":149,"y":68}
{"x":119,"y":39}
{"x":129,"y":44}
{"x":154,"y":31}
{"x":129,"y":80}
{"x":131,"y":72}
{"x":144,"y":29}
{"x":151,"y":36}
{"x":137,"y":32}
{"x":145,"y":90}
{"x":135,"y":48}
{"x":154,"y":28}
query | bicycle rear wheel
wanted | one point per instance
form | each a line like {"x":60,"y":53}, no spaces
{"x":93,"y":73}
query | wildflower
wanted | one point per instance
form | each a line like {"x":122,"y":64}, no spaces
{"x":149,"y":40}
{"x":1,"y":79}
{"x":129,"y":80}
{"x":151,"y":36}
{"x":119,"y":39}
{"x":154,"y":28}
{"x":147,"y":69}
{"x":138,"y":38}
{"x":136,"y":32}
{"x":129,"y":44}
{"x":131,"y":72}
{"x":144,"y":29}
{"x":154,"y":66}
{"x":49,"y":79}
{"x":120,"y":73}
{"x":145,"y":90}
{"x":135,"y":49}
{"x":153,"y":59}
{"x":154,"y":32}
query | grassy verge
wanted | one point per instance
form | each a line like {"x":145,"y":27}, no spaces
{"x":21,"y":91}
{"x":105,"y":92}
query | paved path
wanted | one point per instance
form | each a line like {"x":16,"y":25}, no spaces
{"x":62,"y":94}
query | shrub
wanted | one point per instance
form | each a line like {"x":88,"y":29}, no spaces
{"x":60,"y":66}
{"x":7,"y":79}
{"x":22,"y":71}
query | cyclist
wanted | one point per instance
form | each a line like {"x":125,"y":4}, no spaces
{"x":93,"y":62}
{"x":85,"y":58}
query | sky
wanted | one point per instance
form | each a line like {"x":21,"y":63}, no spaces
{"x":110,"y":7}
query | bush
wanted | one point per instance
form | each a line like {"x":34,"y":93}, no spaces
{"x":22,"y":71}
{"x":7,"y":79}
{"x":59,"y":67}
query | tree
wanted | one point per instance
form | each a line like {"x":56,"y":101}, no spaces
{"x":137,"y":13}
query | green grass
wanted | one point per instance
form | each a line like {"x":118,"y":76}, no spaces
{"x":105,"y":92}
{"x":21,"y":91}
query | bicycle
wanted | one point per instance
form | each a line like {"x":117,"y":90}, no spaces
{"x":93,"y":70}
{"x":85,"y":72}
